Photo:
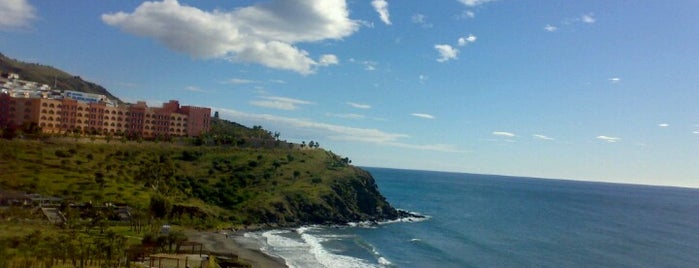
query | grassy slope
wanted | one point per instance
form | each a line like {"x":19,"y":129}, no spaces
{"x":238,"y":185}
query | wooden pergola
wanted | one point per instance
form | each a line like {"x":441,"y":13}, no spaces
{"x":173,"y":261}
{"x":194,"y":247}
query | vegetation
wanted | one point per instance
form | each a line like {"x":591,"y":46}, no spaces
{"x":179,"y":183}
{"x":82,"y":242}
{"x":196,"y":185}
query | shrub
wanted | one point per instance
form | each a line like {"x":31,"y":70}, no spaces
{"x":61,"y":154}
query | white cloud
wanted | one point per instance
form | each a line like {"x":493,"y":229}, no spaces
{"x":194,"y":89}
{"x":608,"y":139}
{"x":446,"y":52}
{"x":264,"y":33}
{"x":277,"y":81}
{"x":418,"y":18}
{"x":279,"y":103}
{"x":550,"y":28}
{"x":359,"y":105}
{"x":421,"y":20}
{"x":468,"y":14}
{"x":239,"y":81}
{"x":695,"y":132}
{"x":423,"y":78}
{"x":368,"y":65}
{"x":664,"y":125}
{"x":504,"y":134}
{"x":473,"y":3}
{"x":16,"y":14}
{"x":421,"y":115}
{"x":587,"y":18}
{"x":614,"y":80}
{"x":467,"y":39}
{"x":543,"y":137}
{"x":327,"y":60}
{"x":334,"y":132}
{"x":381,"y":7}
{"x":347,"y":116}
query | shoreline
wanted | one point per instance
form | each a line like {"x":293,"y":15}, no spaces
{"x":220,"y":243}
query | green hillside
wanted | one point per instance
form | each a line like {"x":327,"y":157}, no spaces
{"x":240,"y":186}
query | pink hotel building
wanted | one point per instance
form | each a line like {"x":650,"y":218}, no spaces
{"x":60,"y":115}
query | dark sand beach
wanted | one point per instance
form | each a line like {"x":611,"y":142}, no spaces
{"x":220,"y":243}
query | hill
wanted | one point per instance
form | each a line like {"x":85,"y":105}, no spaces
{"x":51,"y":76}
{"x":198,"y":185}
{"x":231,"y":174}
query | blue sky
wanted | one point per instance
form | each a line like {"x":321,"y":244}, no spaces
{"x":585,"y":90}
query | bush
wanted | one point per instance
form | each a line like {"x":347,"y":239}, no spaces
{"x":62,"y":154}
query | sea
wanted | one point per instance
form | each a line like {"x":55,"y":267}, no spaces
{"x":498,"y":221}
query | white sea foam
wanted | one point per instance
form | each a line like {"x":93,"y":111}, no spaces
{"x":294,"y":251}
{"x":328,"y":259}
{"x":303,"y":247}
{"x":419,"y":218}
{"x":373,"y":224}
{"x":363,"y":224}
{"x":380,"y":259}
{"x":294,"y":246}
{"x":383,"y":261}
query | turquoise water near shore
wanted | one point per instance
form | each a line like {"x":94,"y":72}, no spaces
{"x":496,"y":221}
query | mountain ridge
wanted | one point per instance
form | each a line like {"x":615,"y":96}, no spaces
{"x":54,"y":77}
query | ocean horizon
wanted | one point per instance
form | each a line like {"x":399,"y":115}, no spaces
{"x":475,"y":220}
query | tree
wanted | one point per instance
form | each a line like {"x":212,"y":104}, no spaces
{"x":160,"y":207}
{"x":99,"y":179}
{"x":175,"y":238}
{"x":158,"y":174}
